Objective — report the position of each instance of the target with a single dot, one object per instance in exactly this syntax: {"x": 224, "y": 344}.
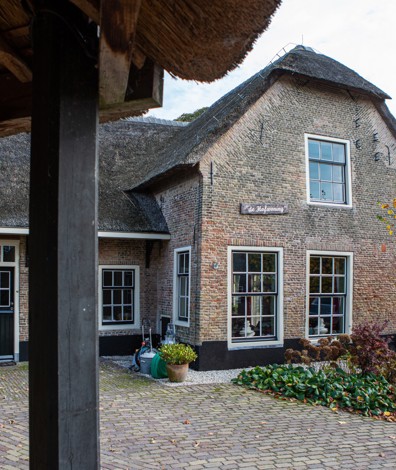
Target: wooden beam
{"x": 11, "y": 61}
{"x": 90, "y": 8}
{"x": 118, "y": 21}
{"x": 63, "y": 330}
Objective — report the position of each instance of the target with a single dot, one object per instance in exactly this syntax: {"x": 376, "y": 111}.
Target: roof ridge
{"x": 155, "y": 120}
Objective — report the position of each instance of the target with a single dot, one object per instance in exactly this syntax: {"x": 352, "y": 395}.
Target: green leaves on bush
{"x": 369, "y": 394}
{"x": 177, "y": 353}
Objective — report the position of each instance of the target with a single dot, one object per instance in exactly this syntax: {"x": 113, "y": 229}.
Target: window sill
{"x": 329, "y": 204}
{"x": 115, "y": 326}
{"x": 255, "y": 345}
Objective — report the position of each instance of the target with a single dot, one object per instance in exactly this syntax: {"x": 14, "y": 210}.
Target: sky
{"x": 360, "y": 34}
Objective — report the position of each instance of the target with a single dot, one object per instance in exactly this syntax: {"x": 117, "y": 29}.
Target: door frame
{"x": 15, "y": 265}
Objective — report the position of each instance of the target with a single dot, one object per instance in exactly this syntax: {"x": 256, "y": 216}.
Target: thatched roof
{"x": 127, "y": 151}
{"x": 196, "y": 39}
{"x": 187, "y": 148}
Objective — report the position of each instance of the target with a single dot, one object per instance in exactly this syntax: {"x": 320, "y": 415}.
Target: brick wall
{"x": 262, "y": 159}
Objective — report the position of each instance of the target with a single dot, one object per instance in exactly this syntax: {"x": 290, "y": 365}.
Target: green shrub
{"x": 177, "y": 353}
{"x": 367, "y": 394}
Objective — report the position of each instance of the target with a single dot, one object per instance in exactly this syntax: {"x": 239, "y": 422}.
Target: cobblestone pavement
{"x": 148, "y": 426}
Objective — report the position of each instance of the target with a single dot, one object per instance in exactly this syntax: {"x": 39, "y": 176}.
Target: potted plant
{"x": 177, "y": 357}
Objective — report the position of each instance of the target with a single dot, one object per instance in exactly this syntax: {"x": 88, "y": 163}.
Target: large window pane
{"x": 339, "y": 285}
{"x": 314, "y": 265}
{"x": 254, "y": 282}
{"x": 338, "y": 174}
{"x": 326, "y": 191}
{"x": 314, "y": 190}
{"x": 269, "y": 263}
{"x": 118, "y": 278}
{"x": 9, "y": 254}
{"x": 254, "y": 261}
{"x": 339, "y": 153}
{"x": 326, "y": 151}
{"x": 327, "y": 285}
{"x": 313, "y": 149}
{"x": 325, "y": 172}
{"x": 339, "y": 265}
{"x": 238, "y": 306}
{"x": 269, "y": 283}
{"x": 239, "y": 262}
{"x": 239, "y": 282}
{"x": 338, "y": 193}
{"x": 314, "y": 170}
{"x": 107, "y": 278}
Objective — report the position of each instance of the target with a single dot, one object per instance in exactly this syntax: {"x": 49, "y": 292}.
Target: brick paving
{"x": 145, "y": 425}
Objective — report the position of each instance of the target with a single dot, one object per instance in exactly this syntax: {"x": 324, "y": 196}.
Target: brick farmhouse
{"x": 249, "y": 228}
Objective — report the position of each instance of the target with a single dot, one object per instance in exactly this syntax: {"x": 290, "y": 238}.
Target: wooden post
{"x": 63, "y": 342}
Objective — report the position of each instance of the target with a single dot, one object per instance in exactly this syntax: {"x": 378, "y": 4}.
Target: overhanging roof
{"x": 196, "y": 39}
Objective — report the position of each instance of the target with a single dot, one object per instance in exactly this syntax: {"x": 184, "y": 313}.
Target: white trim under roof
{"x": 101, "y": 234}
{"x": 14, "y": 231}
{"x": 130, "y": 235}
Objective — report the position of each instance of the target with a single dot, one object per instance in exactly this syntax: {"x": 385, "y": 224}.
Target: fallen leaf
{"x": 196, "y": 444}
{"x": 186, "y": 421}
{"x": 392, "y": 437}
{"x": 342, "y": 422}
{"x": 152, "y": 441}
{"x": 11, "y": 421}
{"x": 210, "y": 433}
{"x": 173, "y": 441}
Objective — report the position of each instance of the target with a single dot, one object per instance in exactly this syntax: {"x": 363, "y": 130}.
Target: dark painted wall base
{"x": 108, "y": 346}
{"x": 23, "y": 351}
{"x": 122, "y": 345}
{"x": 214, "y": 355}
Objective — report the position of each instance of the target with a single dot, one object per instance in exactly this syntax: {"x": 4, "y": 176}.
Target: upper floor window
{"x": 328, "y": 175}
{"x": 181, "y": 291}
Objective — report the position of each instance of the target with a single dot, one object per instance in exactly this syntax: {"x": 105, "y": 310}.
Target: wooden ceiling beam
{"x": 14, "y": 63}
{"x": 118, "y": 22}
{"x": 90, "y": 7}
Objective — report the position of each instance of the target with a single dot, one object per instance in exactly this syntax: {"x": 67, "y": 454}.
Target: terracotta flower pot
{"x": 177, "y": 372}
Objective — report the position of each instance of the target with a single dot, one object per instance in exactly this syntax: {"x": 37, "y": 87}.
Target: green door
{"x": 6, "y": 313}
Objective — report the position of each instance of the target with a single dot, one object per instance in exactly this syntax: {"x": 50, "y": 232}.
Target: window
{"x": 328, "y": 180}
{"x": 329, "y": 294}
{"x": 181, "y": 295}
{"x": 119, "y": 296}
{"x": 255, "y": 300}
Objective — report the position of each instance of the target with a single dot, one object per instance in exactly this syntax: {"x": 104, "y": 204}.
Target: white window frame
{"x": 15, "y": 265}
{"x": 349, "y": 288}
{"x": 348, "y": 177}
{"x": 136, "y": 306}
{"x": 263, "y": 343}
{"x": 175, "y": 309}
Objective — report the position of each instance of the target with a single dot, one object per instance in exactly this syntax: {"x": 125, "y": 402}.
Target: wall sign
{"x": 264, "y": 209}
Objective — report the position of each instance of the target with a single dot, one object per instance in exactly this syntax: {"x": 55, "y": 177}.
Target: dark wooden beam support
{"x": 63, "y": 335}
{"x": 118, "y": 21}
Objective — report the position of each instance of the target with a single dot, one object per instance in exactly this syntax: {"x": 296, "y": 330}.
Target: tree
{"x": 390, "y": 217}
{"x": 189, "y": 117}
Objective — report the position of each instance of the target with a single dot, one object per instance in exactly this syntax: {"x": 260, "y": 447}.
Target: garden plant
{"x": 353, "y": 373}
